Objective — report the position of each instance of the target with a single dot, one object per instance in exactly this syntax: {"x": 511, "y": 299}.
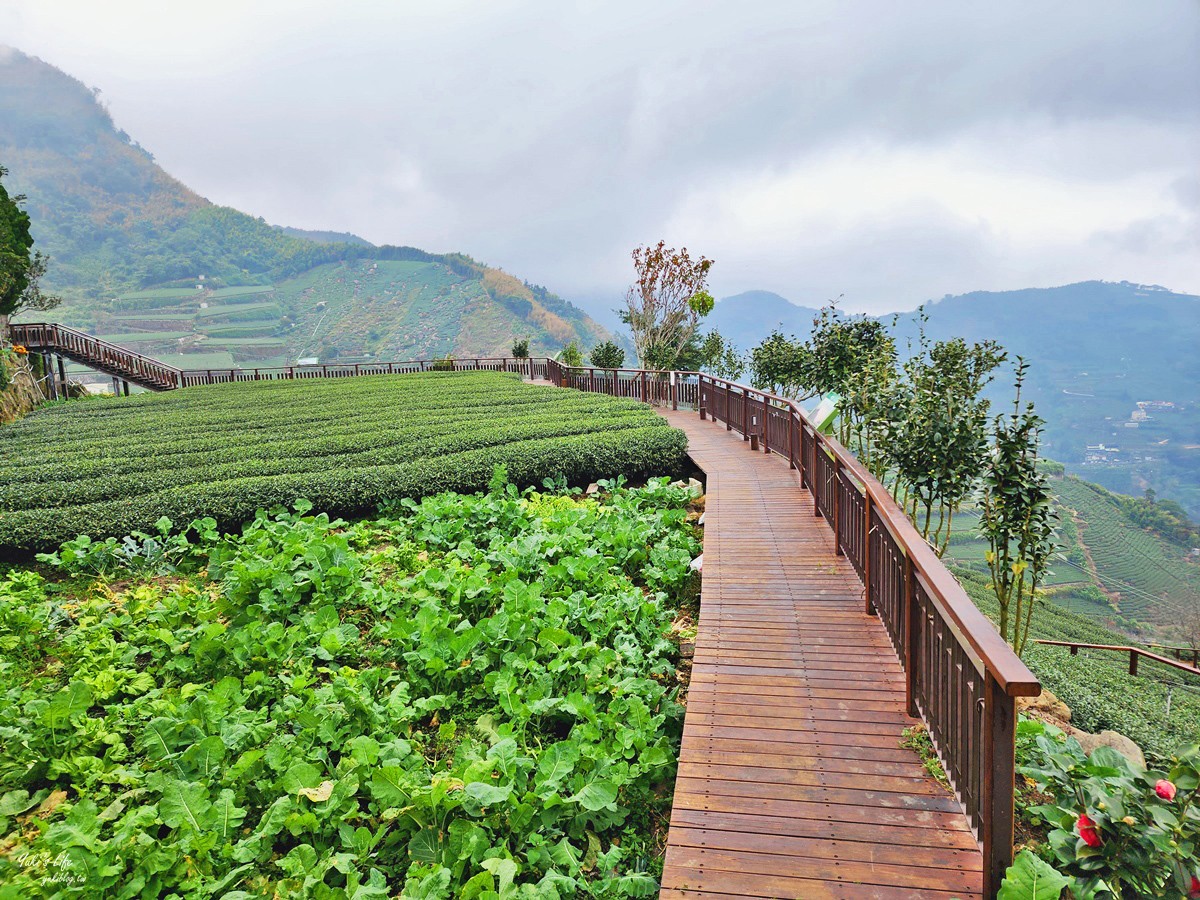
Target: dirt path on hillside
{"x": 1081, "y": 528}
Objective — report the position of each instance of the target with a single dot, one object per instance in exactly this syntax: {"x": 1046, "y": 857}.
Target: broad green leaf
{"x": 202, "y": 759}
{"x": 16, "y": 802}
{"x": 71, "y": 701}
{"x": 1031, "y": 878}
{"x": 488, "y": 794}
{"x": 425, "y": 846}
{"x": 596, "y": 796}
{"x": 300, "y": 775}
{"x": 637, "y": 885}
{"x": 389, "y": 785}
{"x": 364, "y": 750}
{"x": 228, "y": 814}
{"x": 555, "y": 764}
{"x": 185, "y": 804}
{"x": 300, "y": 861}
{"x": 434, "y": 886}
{"x": 505, "y": 871}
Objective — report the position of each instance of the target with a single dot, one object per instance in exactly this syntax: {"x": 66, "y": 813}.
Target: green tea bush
{"x": 346, "y": 445}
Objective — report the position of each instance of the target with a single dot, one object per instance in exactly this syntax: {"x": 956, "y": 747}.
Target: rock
{"x": 1045, "y": 707}
{"x": 677, "y": 484}
{"x": 696, "y": 486}
{"x": 1117, "y": 741}
{"x": 21, "y": 393}
{"x": 687, "y": 649}
{"x": 698, "y": 563}
{"x": 592, "y": 490}
{"x": 700, "y": 521}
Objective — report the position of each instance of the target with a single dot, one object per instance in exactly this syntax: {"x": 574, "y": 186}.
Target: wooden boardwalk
{"x": 792, "y": 782}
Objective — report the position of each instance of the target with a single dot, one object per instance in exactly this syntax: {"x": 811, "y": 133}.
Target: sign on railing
{"x": 962, "y": 679}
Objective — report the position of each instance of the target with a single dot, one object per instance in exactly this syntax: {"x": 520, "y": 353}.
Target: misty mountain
{"x": 1096, "y": 351}
{"x": 747, "y": 318}
{"x": 123, "y": 235}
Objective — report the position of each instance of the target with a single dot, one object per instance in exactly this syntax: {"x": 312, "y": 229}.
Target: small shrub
{"x": 571, "y": 355}
{"x": 607, "y": 355}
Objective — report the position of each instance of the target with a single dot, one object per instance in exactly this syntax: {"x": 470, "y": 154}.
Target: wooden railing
{"x": 962, "y": 679}
{"x": 1134, "y": 654}
{"x": 674, "y": 389}
{"x": 101, "y": 355}
{"x": 150, "y": 373}
{"x": 530, "y": 368}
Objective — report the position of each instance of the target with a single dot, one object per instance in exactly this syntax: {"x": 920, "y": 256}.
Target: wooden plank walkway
{"x": 792, "y": 782}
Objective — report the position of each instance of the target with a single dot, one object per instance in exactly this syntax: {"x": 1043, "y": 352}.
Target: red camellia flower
{"x": 1164, "y": 789}
{"x": 1087, "y": 830}
{"x": 1195, "y": 891}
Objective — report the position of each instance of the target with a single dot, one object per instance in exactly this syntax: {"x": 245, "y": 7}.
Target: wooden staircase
{"x": 126, "y": 365}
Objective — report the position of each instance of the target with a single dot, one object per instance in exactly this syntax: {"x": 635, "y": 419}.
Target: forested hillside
{"x": 116, "y": 225}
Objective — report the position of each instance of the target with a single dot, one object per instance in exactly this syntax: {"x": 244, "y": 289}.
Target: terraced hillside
{"x": 1147, "y": 577}
{"x": 117, "y": 226}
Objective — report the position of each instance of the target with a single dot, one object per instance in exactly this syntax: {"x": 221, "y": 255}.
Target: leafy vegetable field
{"x": 345, "y": 445}
{"x": 468, "y": 696}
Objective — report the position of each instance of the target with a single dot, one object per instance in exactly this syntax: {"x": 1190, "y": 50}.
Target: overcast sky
{"x": 890, "y": 152}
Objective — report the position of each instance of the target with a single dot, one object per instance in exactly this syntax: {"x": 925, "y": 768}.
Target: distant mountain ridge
{"x": 747, "y": 318}
{"x": 115, "y": 224}
{"x": 1097, "y": 350}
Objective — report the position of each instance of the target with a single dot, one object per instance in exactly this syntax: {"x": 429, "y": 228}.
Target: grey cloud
{"x": 550, "y": 140}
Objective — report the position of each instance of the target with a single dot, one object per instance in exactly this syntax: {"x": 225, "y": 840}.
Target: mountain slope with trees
{"x": 1096, "y": 351}
{"x": 114, "y": 223}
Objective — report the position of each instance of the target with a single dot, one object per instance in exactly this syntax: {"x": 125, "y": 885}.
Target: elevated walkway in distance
{"x": 119, "y": 362}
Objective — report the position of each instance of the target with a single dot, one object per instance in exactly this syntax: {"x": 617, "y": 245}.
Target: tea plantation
{"x": 466, "y": 696}
{"x": 227, "y": 451}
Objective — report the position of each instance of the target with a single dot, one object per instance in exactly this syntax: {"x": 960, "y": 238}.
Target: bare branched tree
{"x": 663, "y": 308}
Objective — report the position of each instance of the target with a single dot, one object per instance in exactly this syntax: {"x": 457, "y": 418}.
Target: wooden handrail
{"x": 93, "y": 351}
{"x": 152, "y": 373}
{"x": 199, "y": 377}
{"x": 993, "y": 652}
{"x": 1134, "y": 654}
{"x": 961, "y": 677}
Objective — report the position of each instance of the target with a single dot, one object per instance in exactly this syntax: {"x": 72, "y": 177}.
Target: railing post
{"x": 674, "y": 393}
{"x": 912, "y": 636}
{"x": 591, "y": 381}
{"x": 996, "y": 790}
{"x": 745, "y": 416}
{"x": 791, "y": 431}
{"x": 766, "y": 426}
{"x": 702, "y": 398}
{"x": 645, "y": 398}
{"x": 48, "y": 376}
{"x": 1133, "y": 660}
{"x": 868, "y": 600}
{"x": 815, "y": 483}
{"x": 837, "y": 507}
